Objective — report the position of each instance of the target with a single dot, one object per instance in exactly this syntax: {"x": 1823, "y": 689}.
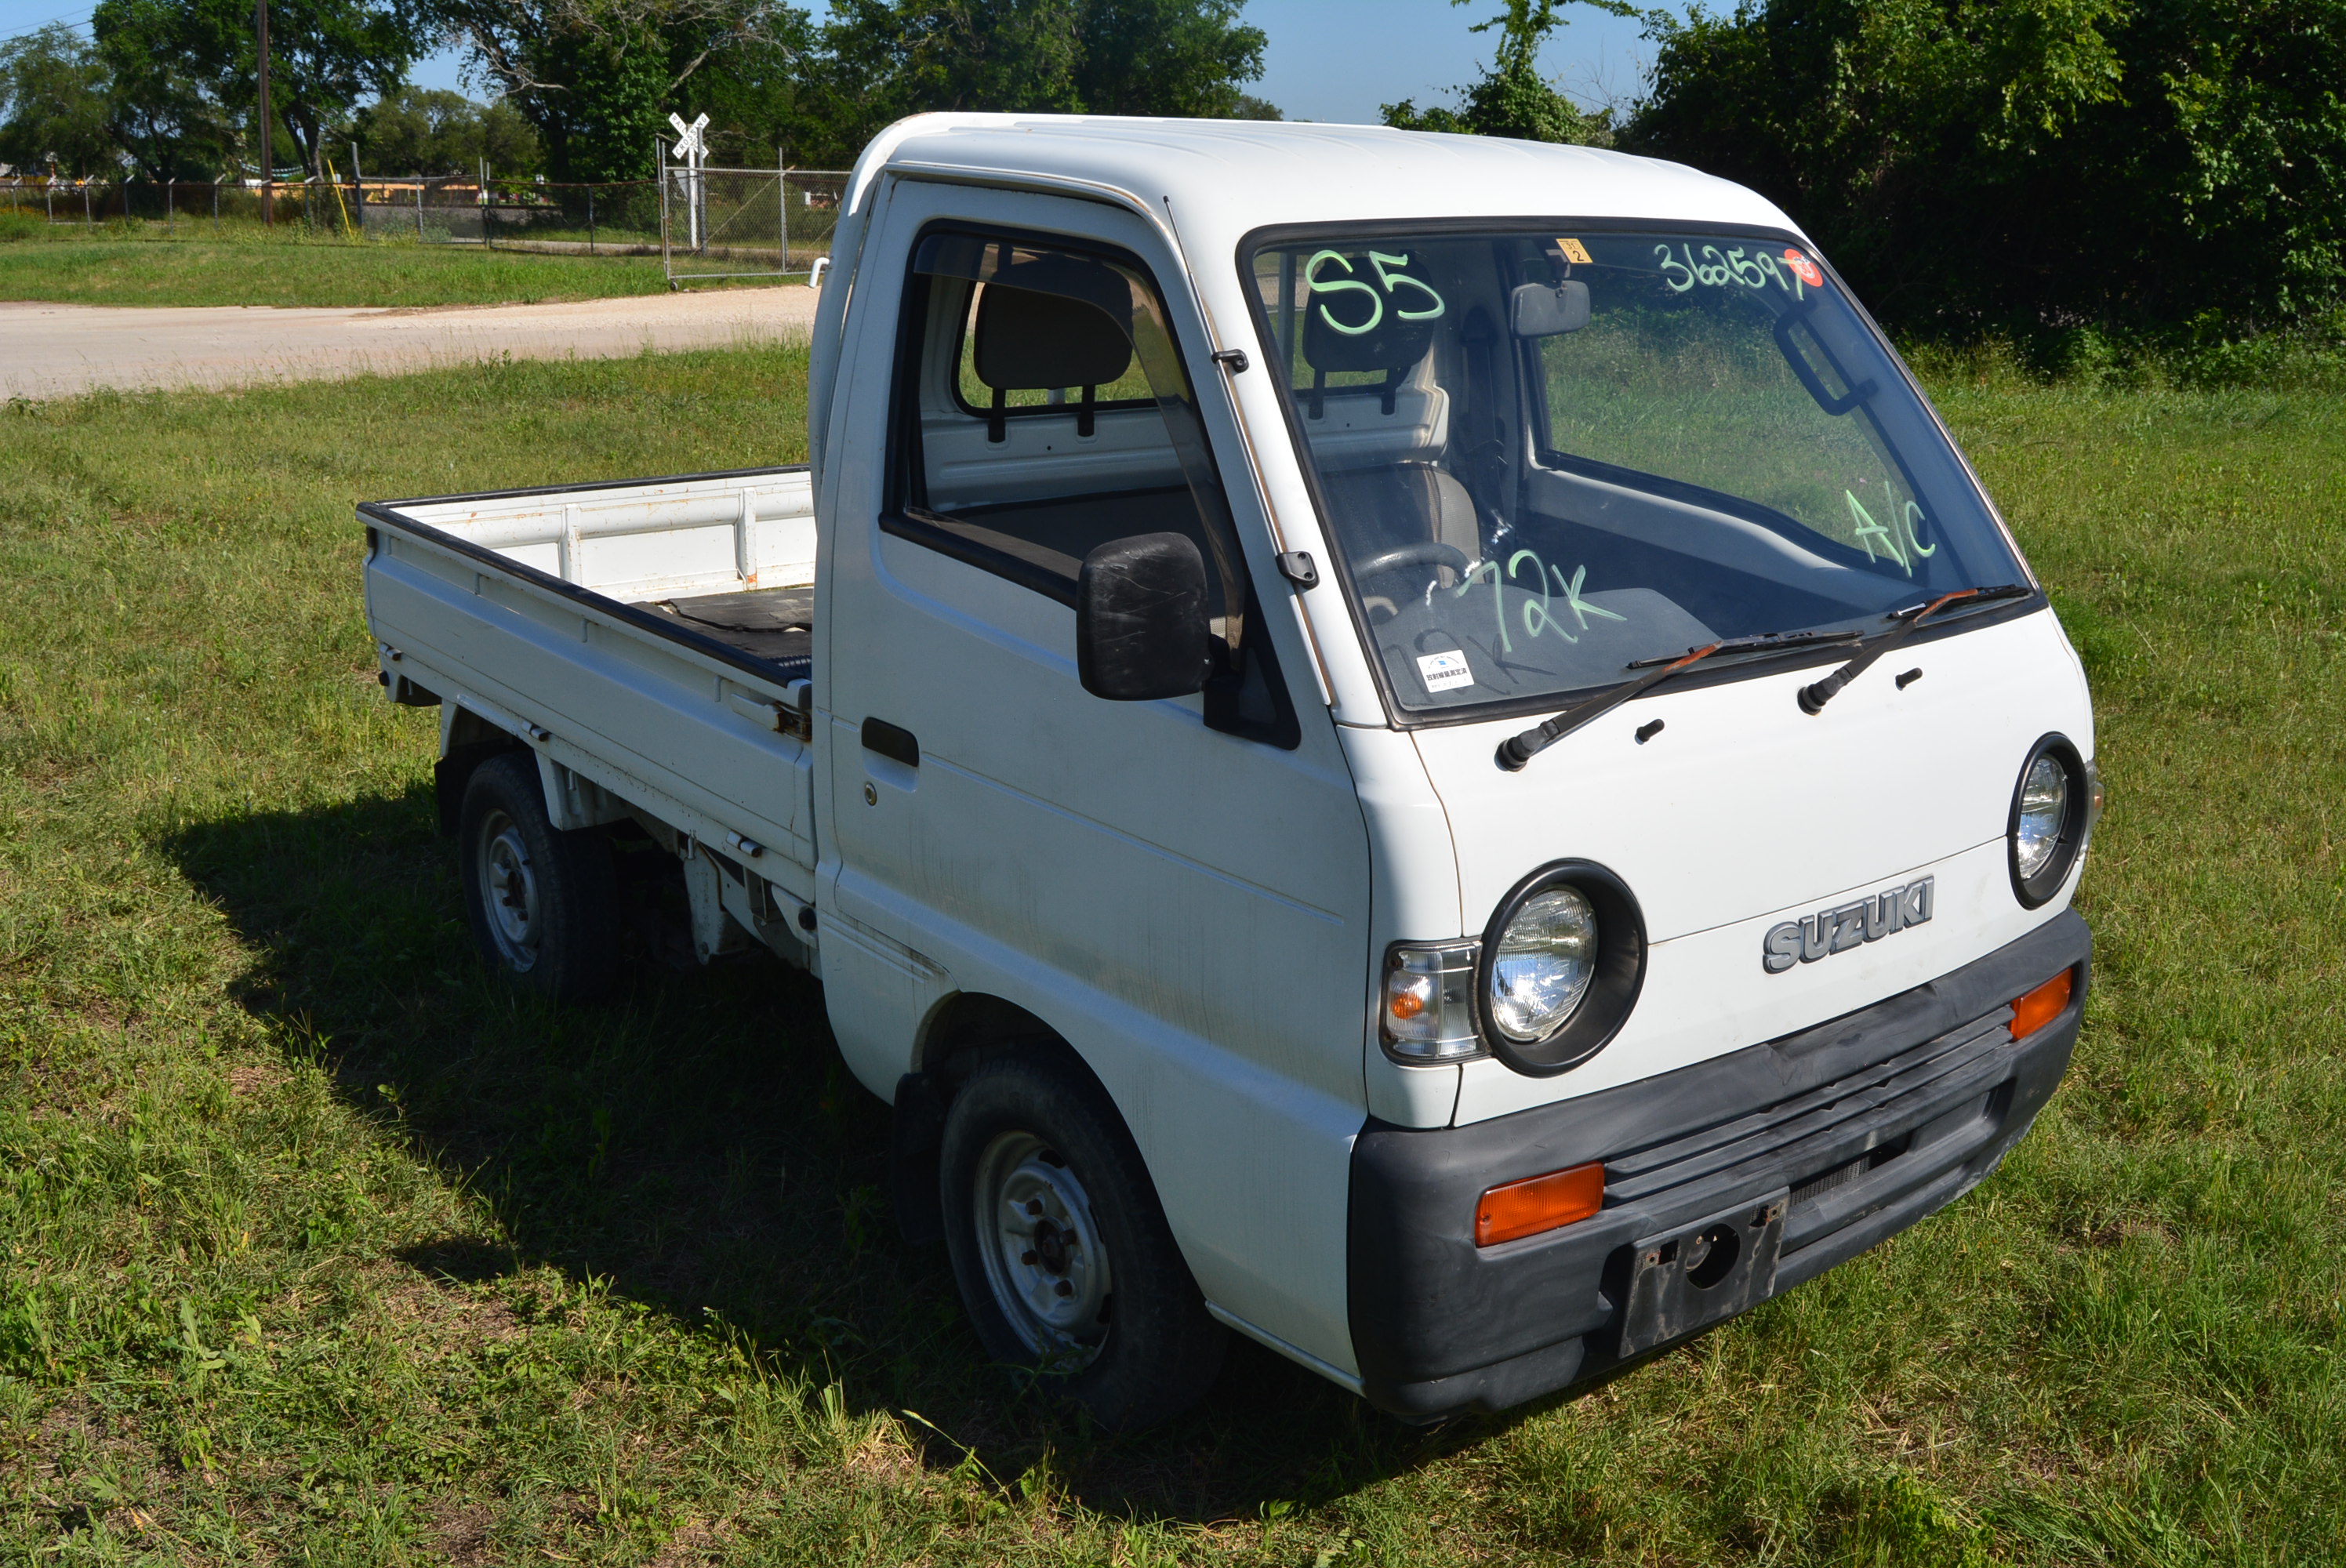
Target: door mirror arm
{"x": 1141, "y": 627}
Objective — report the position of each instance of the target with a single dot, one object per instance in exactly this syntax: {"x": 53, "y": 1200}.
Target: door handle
{"x": 891, "y": 741}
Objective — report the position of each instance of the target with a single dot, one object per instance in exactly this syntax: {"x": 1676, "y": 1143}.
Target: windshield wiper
{"x": 1766, "y": 642}
{"x": 1814, "y": 696}
{"x": 1518, "y": 750}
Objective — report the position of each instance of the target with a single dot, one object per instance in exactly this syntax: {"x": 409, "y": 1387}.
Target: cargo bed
{"x": 651, "y": 641}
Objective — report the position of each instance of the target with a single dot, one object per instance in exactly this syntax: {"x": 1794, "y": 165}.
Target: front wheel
{"x": 1060, "y": 1249}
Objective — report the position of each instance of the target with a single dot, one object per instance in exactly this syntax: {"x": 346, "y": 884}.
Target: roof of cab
{"x": 1223, "y": 178}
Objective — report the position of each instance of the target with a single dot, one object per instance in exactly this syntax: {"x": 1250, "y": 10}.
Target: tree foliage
{"x": 192, "y": 67}
{"x": 1513, "y": 99}
{"x": 420, "y": 130}
{"x": 598, "y": 77}
{"x": 164, "y": 111}
{"x": 54, "y": 105}
{"x": 584, "y": 87}
{"x": 2032, "y": 166}
{"x": 882, "y": 59}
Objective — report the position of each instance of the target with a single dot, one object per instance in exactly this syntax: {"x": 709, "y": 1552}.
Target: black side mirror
{"x": 1537, "y": 311}
{"x": 1141, "y": 630}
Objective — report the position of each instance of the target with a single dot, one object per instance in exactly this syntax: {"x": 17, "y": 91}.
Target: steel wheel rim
{"x": 509, "y": 891}
{"x": 1045, "y": 1259}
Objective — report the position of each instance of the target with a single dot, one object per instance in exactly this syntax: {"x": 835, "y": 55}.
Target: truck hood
{"x": 1743, "y": 806}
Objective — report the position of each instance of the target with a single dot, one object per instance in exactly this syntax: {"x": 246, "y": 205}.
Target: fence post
{"x": 659, "y": 173}
{"x": 590, "y": 220}
{"x": 783, "y": 202}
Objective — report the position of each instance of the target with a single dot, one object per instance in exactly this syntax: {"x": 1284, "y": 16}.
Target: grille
{"x": 1822, "y": 1139}
{"x": 1839, "y": 1176}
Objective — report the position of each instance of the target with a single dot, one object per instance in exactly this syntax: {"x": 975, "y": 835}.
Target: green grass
{"x": 140, "y": 265}
{"x": 315, "y": 1245}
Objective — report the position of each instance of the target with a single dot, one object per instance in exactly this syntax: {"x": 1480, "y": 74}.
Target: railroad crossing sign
{"x": 692, "y": 146}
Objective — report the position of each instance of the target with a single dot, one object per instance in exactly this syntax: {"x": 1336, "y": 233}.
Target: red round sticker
{"x": 1809, "y": 272}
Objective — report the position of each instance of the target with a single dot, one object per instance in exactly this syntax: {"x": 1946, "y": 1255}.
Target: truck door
{"x": 1180, "y": 887}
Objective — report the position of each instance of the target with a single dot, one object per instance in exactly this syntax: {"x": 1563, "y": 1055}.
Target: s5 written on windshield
{"x": 1545, "y": 457}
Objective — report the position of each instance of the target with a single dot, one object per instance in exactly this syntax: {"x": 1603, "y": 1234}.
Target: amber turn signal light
{"x": 1526, "y": 1208}
{"x": 2040, "y": 1006}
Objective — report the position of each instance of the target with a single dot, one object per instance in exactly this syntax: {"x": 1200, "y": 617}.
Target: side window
{"x": 1005, "y": 331}
{"x": 1042, "y": 411}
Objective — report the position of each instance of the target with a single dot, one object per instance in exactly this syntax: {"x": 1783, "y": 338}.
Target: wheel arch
{"x": 467, "y": 739}
{"x": 960, "y": 1032}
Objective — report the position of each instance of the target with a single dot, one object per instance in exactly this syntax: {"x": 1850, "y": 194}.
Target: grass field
{"x": 140, "y": 265}
{"x": 314, "y": 1246}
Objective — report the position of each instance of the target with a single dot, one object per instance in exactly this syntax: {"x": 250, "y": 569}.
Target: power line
{"x": 71, "y": 19}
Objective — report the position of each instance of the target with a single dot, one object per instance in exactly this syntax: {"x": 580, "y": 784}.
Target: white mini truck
{"x": 1415, "y": 746}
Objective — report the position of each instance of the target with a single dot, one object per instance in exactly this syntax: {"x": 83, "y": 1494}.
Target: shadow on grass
{"x": 700, "y": 1146}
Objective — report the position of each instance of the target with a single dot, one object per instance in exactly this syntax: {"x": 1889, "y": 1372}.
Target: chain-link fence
{"x": 747, "y": 222}
{"x": 195, "y": 205}
{"x": 619, "y": 219}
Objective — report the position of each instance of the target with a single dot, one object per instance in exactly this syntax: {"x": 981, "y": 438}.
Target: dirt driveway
{"x": 58, "y": 350}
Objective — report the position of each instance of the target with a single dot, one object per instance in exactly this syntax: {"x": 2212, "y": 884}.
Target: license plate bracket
{"x": 1691, "y": 1276}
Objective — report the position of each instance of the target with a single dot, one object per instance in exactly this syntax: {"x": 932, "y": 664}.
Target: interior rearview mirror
{"x": 1537, "y": 311}
{"x": 1141, "y": 629}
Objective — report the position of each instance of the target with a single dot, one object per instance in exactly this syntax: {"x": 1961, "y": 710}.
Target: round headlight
{"x": 2051, "y": 815}
{"x": 1559, "y": 967}
{"x": 2044, "y": 802}
{"x": 1547, "y": 955}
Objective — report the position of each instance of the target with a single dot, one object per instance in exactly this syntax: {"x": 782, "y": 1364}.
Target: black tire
{"x": 543, "y": 905}
{"x": 1125, "y": 1333}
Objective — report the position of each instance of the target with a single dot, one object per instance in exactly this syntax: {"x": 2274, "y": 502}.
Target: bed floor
{"x": 773, "y": 624}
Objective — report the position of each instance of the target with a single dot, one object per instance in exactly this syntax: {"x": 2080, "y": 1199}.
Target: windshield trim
{"x": 1398, "y": 716}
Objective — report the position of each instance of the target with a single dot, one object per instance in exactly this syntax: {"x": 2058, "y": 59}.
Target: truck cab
{"x": 1415, "y": 746}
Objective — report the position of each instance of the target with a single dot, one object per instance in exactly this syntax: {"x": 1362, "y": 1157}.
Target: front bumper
{"x": 1868, "y": 1123}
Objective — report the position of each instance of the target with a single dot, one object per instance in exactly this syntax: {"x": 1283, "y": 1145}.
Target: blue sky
{"x": 1328, "y": 59}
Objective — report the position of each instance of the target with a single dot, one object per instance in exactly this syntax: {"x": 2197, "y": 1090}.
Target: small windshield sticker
{"x": 1573, "y": 251}
{"x": 1810, "y": 273}
{"x": 1441, "y": 671}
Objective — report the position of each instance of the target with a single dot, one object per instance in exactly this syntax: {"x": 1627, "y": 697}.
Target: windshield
{"x": 1545, "y": 457}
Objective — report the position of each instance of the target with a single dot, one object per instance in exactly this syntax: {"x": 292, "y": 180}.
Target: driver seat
{"x": 1411, "y": 503}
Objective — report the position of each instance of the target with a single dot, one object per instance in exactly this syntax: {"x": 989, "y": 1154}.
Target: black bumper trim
{"x": 1924, "y": 1101}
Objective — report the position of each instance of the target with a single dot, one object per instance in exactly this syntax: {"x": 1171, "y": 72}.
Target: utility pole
{"x": 268, "y": 133}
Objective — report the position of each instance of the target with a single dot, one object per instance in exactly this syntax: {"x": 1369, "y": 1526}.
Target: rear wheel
{"x": 543, "y": 904}
{"x": 1061, "y": 1249}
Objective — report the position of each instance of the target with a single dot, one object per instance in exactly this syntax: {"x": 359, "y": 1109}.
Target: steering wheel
{"x": 1431, "y": 553}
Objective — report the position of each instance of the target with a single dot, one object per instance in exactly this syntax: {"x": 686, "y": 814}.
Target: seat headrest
{"x": 1390, "y": 344}
{"x": 1028, "y": 340}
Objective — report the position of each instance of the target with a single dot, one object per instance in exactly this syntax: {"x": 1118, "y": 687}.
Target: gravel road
{"x": 58, "y": 350}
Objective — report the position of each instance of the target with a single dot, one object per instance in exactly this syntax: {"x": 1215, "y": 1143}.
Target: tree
{"x": 420, "y": 130}
{"x": 1181, "y": 57}
{"x": 884, "y": 59}
{"x": 598, "y": 77}
{"x": 166, "y": 118}
{"x": 2032, "y": 166}
{"x": 1513, "y": 99}
{"x": 325, "y": 56}
{"x": 53, "y": 103}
